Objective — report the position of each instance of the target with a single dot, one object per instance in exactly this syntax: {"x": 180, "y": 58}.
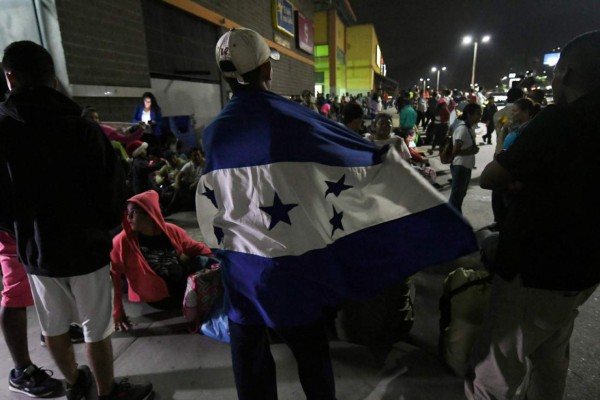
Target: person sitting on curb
{"x": 383, "y": 134}
{"x": 185, "y": 184}
{"x": 140, "y": 174}
{"x": 352, "y": 117}
{"x": 124, "y": 135}
{"x": 155, "y": 257}
{"x": 164, "y": 179}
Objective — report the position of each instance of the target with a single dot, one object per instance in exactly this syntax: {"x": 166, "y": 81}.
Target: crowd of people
{"x": 127, "y": 181}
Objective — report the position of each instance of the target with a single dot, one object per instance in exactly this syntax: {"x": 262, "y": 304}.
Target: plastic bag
{"x": 217, "y": 324}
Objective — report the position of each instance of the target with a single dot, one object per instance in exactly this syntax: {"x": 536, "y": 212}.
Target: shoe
{"x": 128, "y": 391}
{"x": 34, "y": 382}
{"x": 80, "y": 389}
{"x": 75, "y": 332}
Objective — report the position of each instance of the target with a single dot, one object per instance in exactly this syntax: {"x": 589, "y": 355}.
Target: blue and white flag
{"x": 305, "y": 213}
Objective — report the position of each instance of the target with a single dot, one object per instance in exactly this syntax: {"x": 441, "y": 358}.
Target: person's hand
{"x": 122, "y": 323}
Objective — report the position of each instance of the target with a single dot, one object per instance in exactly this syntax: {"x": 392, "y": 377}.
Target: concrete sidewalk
{"x": 184, "y": 365}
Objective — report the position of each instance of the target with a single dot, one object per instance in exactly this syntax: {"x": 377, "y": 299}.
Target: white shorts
{"x": 83, "y": 299}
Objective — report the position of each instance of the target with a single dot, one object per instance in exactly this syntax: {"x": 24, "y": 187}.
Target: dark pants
{"x": 439, "y": 133}
{"x": 488, "y": 135}
{"x": 254, "y": 367}
{"x": 420, "y": 119}
{"x": 461, "y": 176}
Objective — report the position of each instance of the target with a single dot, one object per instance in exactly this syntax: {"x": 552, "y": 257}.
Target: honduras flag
{"x": 304, "y": 213}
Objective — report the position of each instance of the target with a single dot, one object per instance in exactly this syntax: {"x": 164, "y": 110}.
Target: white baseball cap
{"x": 242, "y": 50}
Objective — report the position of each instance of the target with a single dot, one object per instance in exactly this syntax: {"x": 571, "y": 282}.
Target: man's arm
{"x": 495, "y": 177}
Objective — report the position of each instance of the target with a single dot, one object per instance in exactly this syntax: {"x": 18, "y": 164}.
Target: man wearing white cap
{"x": 245, "y": 61}
{"x": 290, "y": 202}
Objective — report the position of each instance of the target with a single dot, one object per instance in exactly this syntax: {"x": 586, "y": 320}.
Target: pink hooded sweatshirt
{"x": 127, "y": 259}
{"x": 113, "y": 134}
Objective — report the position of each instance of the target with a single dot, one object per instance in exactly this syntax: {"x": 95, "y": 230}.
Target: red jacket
{"x": 127, "y": 259}
{"x": 113, "y": 134}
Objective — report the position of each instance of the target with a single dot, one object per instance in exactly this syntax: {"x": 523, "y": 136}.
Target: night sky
{"x": 415, "y": 35}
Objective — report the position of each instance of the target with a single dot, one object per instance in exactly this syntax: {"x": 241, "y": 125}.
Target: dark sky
{"x": 415, "y": 35}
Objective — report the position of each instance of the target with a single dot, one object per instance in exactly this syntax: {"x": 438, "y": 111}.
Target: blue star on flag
{"x": 278, "y": 212}
{"x": 337, "y": 187}
{"x": 210, "y": 194}
{"x": 336, "y": 221}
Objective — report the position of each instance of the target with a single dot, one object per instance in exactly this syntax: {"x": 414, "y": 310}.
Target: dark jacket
{"x": 65, "y": 185}
{"x": 155, "y": 115}
{"x": 550, "y": 235}
{"x": 6, "y": 221}
{"x": 488, "y": 113}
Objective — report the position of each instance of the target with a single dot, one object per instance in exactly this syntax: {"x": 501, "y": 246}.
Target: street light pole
{"x": 468, "y": 40}
{"x": 437, "y": 85}
{"x": 474, "y": 62}
{"x": 424, "y": 83}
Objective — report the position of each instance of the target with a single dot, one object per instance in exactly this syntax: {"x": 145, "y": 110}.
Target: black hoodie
{"x": 65, "y": 189}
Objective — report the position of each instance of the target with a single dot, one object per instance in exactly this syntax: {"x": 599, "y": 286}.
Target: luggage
{"x": 463, "y": 305}
{"x": 216, "y": 325}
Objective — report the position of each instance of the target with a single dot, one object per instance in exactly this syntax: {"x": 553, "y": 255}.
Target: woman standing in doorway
{"x": 150, "y": 114}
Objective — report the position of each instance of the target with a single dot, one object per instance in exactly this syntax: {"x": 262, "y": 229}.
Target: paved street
{"x": 185, "y": 365}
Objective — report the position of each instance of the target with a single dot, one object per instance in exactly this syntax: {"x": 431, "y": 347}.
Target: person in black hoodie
{"x": 67, "y": 193}
{"x": 26, "y": 377}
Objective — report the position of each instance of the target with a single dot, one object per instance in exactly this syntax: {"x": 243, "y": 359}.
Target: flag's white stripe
{"x": 379, "y": 194}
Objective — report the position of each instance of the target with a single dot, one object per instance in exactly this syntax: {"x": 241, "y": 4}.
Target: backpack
{"x": 463, "y": 304}
{"x": 446, "y": 156}
{"x": 204, "y": 290}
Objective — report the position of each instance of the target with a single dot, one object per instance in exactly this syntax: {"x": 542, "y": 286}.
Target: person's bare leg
{"x": 14, "y": 327}
{"x": 100, "y": 355}
{"x": 62, "y": 352}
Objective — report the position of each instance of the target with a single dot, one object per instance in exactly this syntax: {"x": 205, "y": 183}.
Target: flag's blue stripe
{"x": 291, "y": 291}
{"x": 279, "y": 130}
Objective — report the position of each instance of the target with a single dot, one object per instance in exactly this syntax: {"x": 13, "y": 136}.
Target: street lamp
{"x": 468, "y": 40}
{"x": 424, "y": 83}
{"x": 437, "y": 85}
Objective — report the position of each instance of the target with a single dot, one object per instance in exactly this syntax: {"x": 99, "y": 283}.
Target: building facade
{"x": 108, "y": 53}
{"x": 348, "y": 58}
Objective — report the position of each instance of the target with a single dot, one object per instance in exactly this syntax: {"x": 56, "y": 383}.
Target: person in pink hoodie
{"x": 118, "y": 138}
{"x": 155, "y": 256}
